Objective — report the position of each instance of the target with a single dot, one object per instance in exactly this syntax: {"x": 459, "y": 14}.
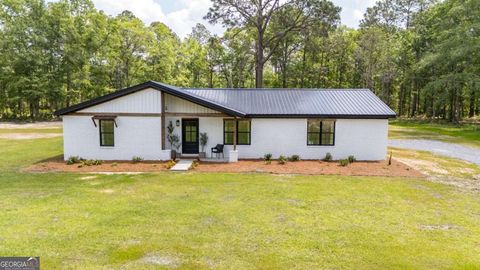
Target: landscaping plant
{"x": 344, "y": 162}
{"x": 136, "y": 159}
{"x": 267, "y": 158}
{"x": 294, "y": 158}
{"x": 73, "y": 159}
{"x": 351, "y": 159}
{"x": 328, "y": 157}
{"x": 282, "y": 160}
{"x": 170, "y": 164}
{"x": 173, "y": 139}
{"x": 203, "y": 140}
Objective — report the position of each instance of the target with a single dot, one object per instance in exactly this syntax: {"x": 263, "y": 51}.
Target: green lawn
{"x": 465, "y": 133}
{"x": 230, "y": 221}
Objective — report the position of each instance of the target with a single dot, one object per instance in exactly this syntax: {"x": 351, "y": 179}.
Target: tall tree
{"x": 257, "y": 14}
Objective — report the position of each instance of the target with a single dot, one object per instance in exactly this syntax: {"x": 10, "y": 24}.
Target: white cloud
{"x": 182, "y": 21}
{"x": 147, "y": 10}
{"x": 357, "y": 14}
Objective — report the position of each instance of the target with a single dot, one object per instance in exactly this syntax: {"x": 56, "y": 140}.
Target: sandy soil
{"x": 39, "y": 125}
{"x": 28, "y": 136}
{"x": 397, "y": 169}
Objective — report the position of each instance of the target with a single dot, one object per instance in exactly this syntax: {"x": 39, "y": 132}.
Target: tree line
{"x": 419, "y": 56}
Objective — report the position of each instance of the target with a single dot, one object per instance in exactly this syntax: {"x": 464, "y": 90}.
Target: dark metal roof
{"x": 335, "y": 103}
{"x": 347, "y": 103}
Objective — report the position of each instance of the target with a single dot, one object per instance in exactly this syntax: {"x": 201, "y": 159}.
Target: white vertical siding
{"x": 177, "y": 105}
{"x": 134, "y": 136}
{"x": 144, "y": 101}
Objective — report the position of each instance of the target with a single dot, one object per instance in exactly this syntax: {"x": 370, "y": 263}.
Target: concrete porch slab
{"x": 182, "y": 165}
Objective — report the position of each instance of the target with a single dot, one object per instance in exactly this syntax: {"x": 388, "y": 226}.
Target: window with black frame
{"x": 243, "y": 131}
{"x": 320, "y": 132}
{"x": 107, "y": 136}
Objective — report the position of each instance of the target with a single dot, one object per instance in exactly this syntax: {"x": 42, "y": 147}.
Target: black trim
{"x": 321, "y": 132}
{"x": 150, "y": 84}
{"x": 103, "y": 132}
{"x": 325, "y": 116}
{"x": 236, "y": 123}
{"x": 190, "y": 148}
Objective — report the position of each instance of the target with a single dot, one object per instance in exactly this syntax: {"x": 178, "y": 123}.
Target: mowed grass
{"x": 465, "y": 134}
{"x": 230, "y": 221}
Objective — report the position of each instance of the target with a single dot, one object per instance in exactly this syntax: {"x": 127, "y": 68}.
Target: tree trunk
{"x": 471, "y": 112}
{"x": 259, "y": 65}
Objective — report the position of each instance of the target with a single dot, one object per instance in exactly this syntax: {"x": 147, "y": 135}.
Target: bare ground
{"x": 39, "y": 125}
{"x": 28, "y": 136}
{"x": 359, "y": 168}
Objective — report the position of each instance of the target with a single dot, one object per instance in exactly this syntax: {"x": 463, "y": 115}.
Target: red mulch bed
{"x": 308, "y": 167}
{"x": 106, "y": 166}
{"x": 360, "y": 168}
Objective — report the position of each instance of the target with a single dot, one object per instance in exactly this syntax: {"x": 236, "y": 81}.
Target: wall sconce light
{"x": 177, "y": 123}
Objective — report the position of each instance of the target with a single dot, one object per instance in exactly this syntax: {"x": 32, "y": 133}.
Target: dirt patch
{"x": 360, "y": 168}
{"x": 28, "y": 136}
{"x": 40, "y": 125}
{"x": 110, "y": 167}
{"x": 160, "y": 260}
{"x": 422, "y": 165}
{"x": 440, "y": 227}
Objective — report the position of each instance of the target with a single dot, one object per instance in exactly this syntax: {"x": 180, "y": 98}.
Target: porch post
{"x": 235, "y": 134}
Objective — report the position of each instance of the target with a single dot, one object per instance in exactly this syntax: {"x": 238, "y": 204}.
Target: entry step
{"x": 182, "y": 165}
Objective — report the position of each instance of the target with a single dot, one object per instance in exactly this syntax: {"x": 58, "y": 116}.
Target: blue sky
{"x": 182, "y": 15}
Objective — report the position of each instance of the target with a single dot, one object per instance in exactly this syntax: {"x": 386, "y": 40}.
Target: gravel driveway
{"x": 453, "y": 150}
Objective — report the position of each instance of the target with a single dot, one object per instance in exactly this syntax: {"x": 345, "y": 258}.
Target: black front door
{"x": 190, "y": 136}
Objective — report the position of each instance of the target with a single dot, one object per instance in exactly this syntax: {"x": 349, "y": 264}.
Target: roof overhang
{"x": 172, "y": 90}
{"x": 332, "y": 116}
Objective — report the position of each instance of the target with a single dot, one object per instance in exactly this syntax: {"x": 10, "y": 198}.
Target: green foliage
{"x": 328, "y": 157}
{"x": 282, "y": 160}
{"x": 136, "y": 159}
{"x": 203, "y": 140}
{"x": 73, "y": 159}
{"x": 418, "y": 57}
{"x": 170, "y": 164}
{"x": 267, "y": 158}
{"x": 351, "y": 159}
{"x": 294, "y": 158}
{"x": 344, "y": 162}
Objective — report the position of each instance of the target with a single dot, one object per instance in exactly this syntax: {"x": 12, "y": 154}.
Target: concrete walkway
{"x": 454, "y": 150}
{"x": 182, "y": 165}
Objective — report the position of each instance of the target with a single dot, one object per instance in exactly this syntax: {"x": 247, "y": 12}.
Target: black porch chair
{"x": 218, "y": 149}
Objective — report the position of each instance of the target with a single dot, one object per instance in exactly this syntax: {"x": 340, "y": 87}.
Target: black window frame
{"x": 320, "y": 133}
{"x": 249, "y": 132}
{"x": 103, "y": 132}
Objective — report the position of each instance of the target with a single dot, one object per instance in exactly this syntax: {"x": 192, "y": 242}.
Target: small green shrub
{"x": 344, "y": 162}
{"x": 170, "y": 164}
{"x": 73, "y": 159}
{"x": 282, "y": 160}
{"x": 114, "y": 164}
{"x": 267, "y": 157}
{"x": 87, "y": 162}
{"x": 97, "y": 162}
{"x": 328, "y": 157}
{"x": 351, "y": 159}
{"x": 136, "y": 159}
{"x": 294, "y": 158}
